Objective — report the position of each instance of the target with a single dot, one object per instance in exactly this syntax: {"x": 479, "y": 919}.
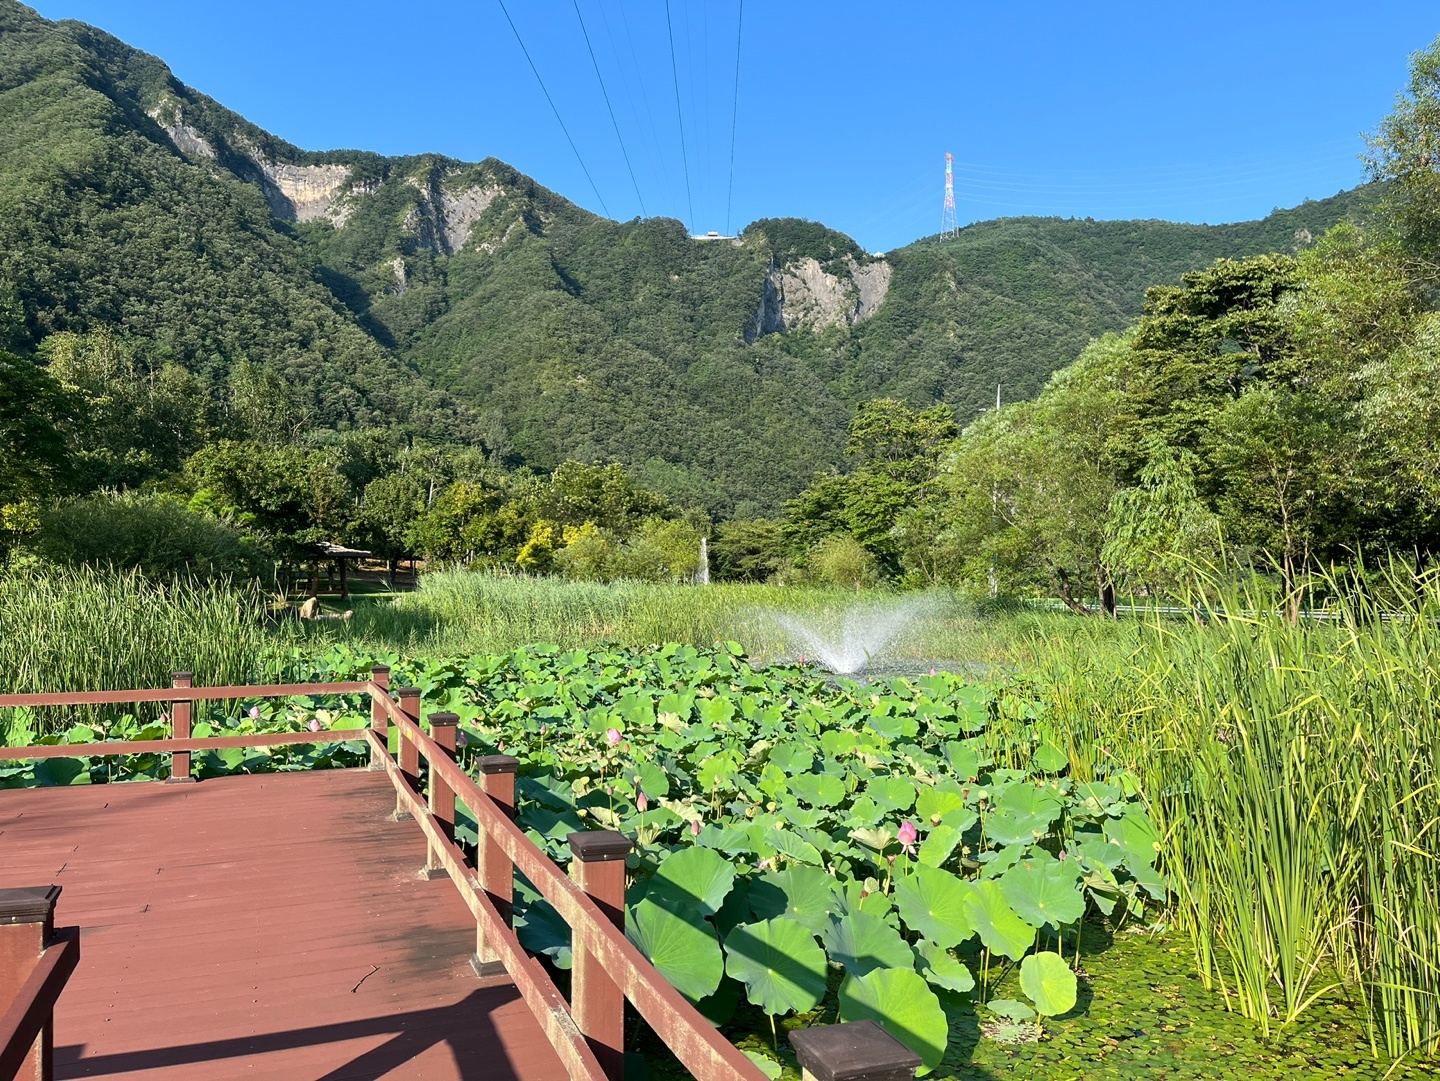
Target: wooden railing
{"x": 587, "y": 1030}
{"x": 36, "y": 960}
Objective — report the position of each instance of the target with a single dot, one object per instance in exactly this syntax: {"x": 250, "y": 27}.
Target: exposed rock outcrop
{"x": 187, "y": 140}
{"x": 872, "y": 284}
{"x": 804, "y": 295}
{"x": 300, "y": 192}
{"x": 461, "y": 209}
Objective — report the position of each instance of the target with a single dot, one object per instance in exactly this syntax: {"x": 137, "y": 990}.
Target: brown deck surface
{"x": 261, "y": 927}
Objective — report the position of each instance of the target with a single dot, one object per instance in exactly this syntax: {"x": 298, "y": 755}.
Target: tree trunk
{"x": 1067, "y": 594}
{"x": 391, "y": 566}
{"x": 314, "y": 579}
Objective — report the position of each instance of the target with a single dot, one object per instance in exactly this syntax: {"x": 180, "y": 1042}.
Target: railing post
{"x": 409, "y": 752}
{"x": 379, "y": 719}
{"x": 855, "y": 1051}
{"x": 442, "y": 796}
{"x": 497, "y": 874}
{"x": 180, "y": 713}
{"x": 27, "y": 923}
{"x": 597, "y": 1004}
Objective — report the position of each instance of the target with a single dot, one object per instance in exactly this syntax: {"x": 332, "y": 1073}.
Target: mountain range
{"x": 464, "y": 302}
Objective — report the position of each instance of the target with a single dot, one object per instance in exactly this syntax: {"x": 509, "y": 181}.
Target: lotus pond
{"x": 911, "y": 850}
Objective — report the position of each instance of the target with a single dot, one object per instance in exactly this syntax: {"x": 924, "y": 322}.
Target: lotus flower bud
{"x": 642, "y": 802}
{"x": 695, "y": 827}
{"x": 314, "y": 725}
{"x": 254, "y": 713}
{"x": 612, "y": 736}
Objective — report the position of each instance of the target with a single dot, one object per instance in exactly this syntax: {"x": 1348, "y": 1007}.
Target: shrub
{"x": 841, "y": 560}
{"x": 156, "y": 534}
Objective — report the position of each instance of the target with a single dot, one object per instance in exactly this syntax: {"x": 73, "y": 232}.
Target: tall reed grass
{"x": 83, "y": 629}
{"x": 1293, "y": 770}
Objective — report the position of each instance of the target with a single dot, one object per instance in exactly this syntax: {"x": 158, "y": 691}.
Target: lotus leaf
{"x": 716, "y": 712}
{"x": 1010, "y": 1009}
{"x": 764, "y": 1063}
{"x": 941, "y": 969}
{"x": 793, "y": 758}
{"x": 1049, "y": 982}
{"x": 804, "y": 894}
{"x": 873, "y": 900}
{"x": 862, "y": 942}
{"x": 995, "y": 921}
{"x": 1022, "y": 812}
{"x": 900, "y": 1002}
{"x": 779, "y": 963}
{"x": 964, "y": 760}
{"x": 934, "y": 802}
{"x": 682, "y": 947}
{"x": 1049, "y": 758}
{"x": 792, "y": 846}
{"x": 892, "y": 793}
{"x": 934, "y": 903}
{"x": 693, "y": 878}
{"x": 1135, "y": 836}
{"x": 543, "y": 930}
{"x": 1044, "y": 892}
{"x": 818, "y": 790}
{"x": 938, "y": 845}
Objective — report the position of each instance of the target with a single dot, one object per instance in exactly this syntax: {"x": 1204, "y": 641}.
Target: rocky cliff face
{"x": 301, "y": 192}
{"x": 804, "y": 295}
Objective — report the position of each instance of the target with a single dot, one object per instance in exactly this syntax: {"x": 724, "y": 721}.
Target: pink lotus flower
{"x": 908, "y": 836}
{"x": 695, "y": 828}
{"x": 612, "y": 736}
{"x": 314, "y": 725}
{"x": 461, "y": 739}
{"x": 502, "y": 746}
{"x": 642, "y": 802}
{"x": 164, "y": 716}
{"x": 254, "y": 713}
{"x": 932, "y": 671}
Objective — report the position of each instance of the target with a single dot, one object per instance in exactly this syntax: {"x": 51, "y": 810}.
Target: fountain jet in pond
{"x": 852, "y": 640}
{"x": 702, "y": 570}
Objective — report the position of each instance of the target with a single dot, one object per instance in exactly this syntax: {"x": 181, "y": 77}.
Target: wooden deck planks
{"x": 261, "y": 927}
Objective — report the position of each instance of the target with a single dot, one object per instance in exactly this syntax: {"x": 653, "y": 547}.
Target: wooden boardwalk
{"x": 271, "y": 926}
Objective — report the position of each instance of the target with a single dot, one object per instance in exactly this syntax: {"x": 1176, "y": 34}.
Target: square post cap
{"x": 28, "y": 904}
{"x": 377, "y": 669}
{"x": 444, "y": 719}
{"x": 408, "y": 692}
{"x": 599, "y": 846}
{"x": 854, "y": 1051}
{"x": 184, "y": 677}
{"x": 497, "y": 763}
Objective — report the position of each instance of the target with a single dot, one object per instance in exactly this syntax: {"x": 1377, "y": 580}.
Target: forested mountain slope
{"x": 465, "y": 302}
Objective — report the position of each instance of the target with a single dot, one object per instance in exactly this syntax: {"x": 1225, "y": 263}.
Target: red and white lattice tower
{"x": 947, "y": 215}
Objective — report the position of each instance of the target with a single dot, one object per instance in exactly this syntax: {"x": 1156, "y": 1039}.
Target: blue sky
{"x": 1208, "y": 112}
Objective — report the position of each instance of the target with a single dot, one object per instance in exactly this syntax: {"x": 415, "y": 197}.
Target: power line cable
{"x": 606, "y": 95}
{"x": 553, "y": 109}
{"x": 679, "y": 115}
{"x": 734, "y": 117}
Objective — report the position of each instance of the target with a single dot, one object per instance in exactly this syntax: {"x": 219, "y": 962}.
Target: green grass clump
{"x": 90, "y": 630}
{"x": 1293, "y": 772}
{"x": 459, "y": 612}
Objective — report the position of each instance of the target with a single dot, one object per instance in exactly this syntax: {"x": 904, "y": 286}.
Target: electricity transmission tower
{"x": 947, "y": 214}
